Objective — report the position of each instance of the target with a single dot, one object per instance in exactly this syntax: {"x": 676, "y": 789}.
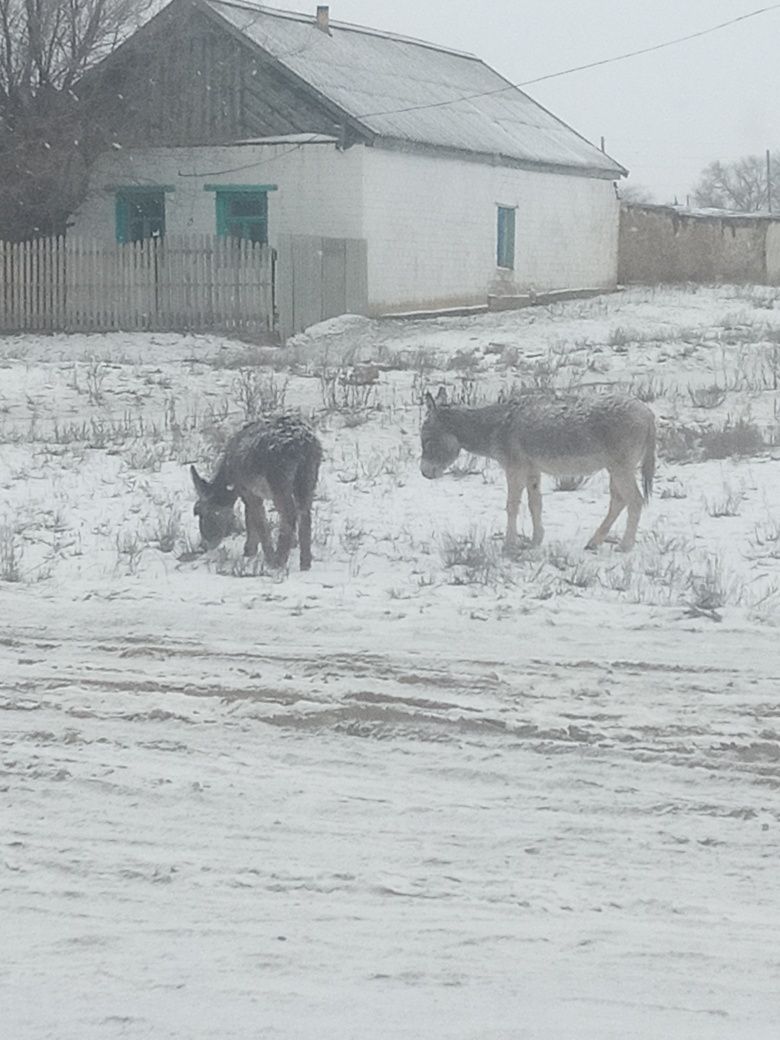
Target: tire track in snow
{"x": 697, "y": 717}
{"x": 424, "y": 828}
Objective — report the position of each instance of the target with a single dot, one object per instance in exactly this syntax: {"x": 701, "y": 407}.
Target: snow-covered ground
{"x": 422, "y": 790}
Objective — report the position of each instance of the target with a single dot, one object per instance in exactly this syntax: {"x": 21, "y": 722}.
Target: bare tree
{"x": 635, "y": 194}
{"x": 45, "y": 47}
{"x": 51, "y": 43}
{"x": 739, "y": 185}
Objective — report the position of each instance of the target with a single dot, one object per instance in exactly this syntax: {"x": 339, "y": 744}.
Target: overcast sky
{"x": 664, "y": 115}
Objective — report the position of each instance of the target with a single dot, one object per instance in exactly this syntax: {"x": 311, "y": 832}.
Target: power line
{"x": 250, "y": 165}
{"x": 580, "y": 68}
{"x": 654, "y": 47}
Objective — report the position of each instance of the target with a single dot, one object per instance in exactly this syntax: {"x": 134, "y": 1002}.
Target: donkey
{"x": 277, "y": 458}
{"x": 545, "y": 433}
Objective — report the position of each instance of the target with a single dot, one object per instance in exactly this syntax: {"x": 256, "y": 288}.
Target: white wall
{"x": 430, "y": 223}
{"x": 319, "y": 187}
{"x": 431, "y": 227}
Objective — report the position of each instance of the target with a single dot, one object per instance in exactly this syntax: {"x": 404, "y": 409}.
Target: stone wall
{"x": 664, "y": 244}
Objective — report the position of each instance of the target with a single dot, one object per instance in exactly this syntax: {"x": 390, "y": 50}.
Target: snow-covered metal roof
{"x": 406, "y": 90}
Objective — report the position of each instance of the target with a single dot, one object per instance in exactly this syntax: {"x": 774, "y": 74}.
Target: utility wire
{"x": 250, "y": 165}
{"x": 580, "y": 68}
{"x": 656, "y": 46}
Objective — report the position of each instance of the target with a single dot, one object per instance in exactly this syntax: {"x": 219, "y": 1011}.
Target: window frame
{"x": 506, "y": 224}
{"x": 226, "y": 223}
{"x": 127, "y": 194}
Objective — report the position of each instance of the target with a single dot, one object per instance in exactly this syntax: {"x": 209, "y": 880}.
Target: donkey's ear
{"x": 441, "y": 396}
{"x": 430, "y": 404}
{"x": 201, "y": 485}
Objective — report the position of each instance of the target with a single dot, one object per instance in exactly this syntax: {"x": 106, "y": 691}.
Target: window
{"x": 505, "y": 250}
{"x": 140, "y": 214}
{"x": 243, "y": 214}
{"x": 242, "y": 210}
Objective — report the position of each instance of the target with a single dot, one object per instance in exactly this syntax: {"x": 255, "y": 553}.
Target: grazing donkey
{"x": 277, "y": 458}
{"x": 546, "y": 433}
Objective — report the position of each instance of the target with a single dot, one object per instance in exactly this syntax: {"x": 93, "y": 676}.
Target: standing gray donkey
{"x": 277, "y": 458}
{"x": 546, "y": 433}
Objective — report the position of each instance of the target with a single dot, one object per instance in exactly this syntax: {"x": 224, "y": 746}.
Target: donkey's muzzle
{"x": 430, "y": 470}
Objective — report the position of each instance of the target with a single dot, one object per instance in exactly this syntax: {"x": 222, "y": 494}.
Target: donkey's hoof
{"x": 276, "y": 562}
{"x": 516, "y": 547}
{"x": 188, "y": 557}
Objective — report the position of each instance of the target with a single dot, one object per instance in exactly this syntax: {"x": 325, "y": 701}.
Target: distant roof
{"x": 702, "y": 212}
{"x": 410, "y": 91}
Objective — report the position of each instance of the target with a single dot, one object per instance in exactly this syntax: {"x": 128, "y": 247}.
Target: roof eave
{"x": 496, "y": 159}
{"x": 623, "y": 171}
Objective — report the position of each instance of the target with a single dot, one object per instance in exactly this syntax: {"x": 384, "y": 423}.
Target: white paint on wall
{"x": 431, "y": 224}
{"x": 318, "y": 187}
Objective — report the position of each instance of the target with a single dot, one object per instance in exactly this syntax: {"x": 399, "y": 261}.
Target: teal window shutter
{"x": 505, "y": 249}
{"x": 120, "y": 204}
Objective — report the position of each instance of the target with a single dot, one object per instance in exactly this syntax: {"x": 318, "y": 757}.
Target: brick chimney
{"x": 323, "y": 18}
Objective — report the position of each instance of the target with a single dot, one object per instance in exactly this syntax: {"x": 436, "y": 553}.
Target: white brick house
{"x": 262, "y": 123}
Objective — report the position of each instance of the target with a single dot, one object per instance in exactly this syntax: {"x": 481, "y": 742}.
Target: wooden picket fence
{"x": 180, "y": 282}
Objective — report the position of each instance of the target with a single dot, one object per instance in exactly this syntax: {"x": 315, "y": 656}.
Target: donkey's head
{"x": 440, "y": 446}
{"x": 214, "y": 510}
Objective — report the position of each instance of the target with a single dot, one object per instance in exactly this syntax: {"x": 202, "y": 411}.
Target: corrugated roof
{"x": 390, "y": 84}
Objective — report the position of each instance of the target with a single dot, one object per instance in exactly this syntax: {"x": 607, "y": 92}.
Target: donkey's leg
{"x": 616, "y": 507}
{"x": 288, "y": 516}
{"x": 256, "y": 527}
{"x": 252, "y": 526}
{"x": 304, "y": 537}
{"x": 626, "y": 487}
{"x": 515, "y": 482}
{"x": 265, "y": 531}
{"x": 535, "y": 506}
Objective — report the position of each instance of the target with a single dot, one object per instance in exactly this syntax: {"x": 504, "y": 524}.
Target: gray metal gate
{"x": 319, "y": 278}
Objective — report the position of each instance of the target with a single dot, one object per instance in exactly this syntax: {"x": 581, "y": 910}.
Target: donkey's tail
{"x": 648, "y": 463}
